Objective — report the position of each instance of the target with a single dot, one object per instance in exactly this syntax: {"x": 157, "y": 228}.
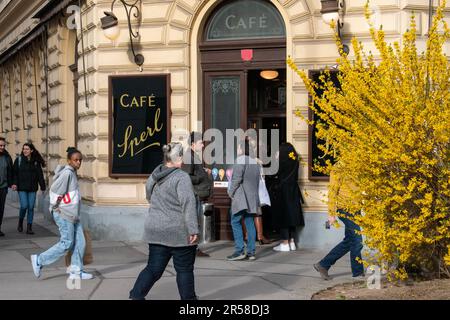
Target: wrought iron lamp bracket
{"x": 129, "y": 8}
{"x": 340, "y": 22}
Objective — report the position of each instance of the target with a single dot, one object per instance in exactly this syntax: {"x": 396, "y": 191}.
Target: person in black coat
{"x": 200, "y": 176}
{"x": 27, "y": 176}
{"x": 286, "y": 197}
{"x": 6, "y": 177}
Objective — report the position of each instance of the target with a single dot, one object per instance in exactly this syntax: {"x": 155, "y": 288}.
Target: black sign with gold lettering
{"x": 139, "y": 123}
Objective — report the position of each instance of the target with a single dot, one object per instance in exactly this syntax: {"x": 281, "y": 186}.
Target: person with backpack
{"x": 27, "y": 176}
{"x": 6, "y": 178}
{"x": 65, "y": 201}
{"x": 200, "y": 177}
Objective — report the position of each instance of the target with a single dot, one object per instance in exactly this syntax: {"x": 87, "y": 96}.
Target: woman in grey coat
{"x": 243, "y": 192}
{"x": 171, "y": 228}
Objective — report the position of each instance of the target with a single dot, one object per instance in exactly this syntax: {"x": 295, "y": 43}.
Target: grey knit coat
{"x": 243, "y": 189}
{"x": 172, "y": 215}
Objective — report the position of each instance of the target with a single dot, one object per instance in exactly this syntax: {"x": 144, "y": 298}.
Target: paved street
{"x": 116, "y": 265}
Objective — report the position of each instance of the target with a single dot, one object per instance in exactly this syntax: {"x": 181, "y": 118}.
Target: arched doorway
{"x": 242, "y": 38}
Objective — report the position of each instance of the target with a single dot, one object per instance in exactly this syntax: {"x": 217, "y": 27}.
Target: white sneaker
{"x": 82, "y": 276}
{"x": 36, "y": 267}
{"x": 282, "y": 247}
{"x": 292, "y": 246}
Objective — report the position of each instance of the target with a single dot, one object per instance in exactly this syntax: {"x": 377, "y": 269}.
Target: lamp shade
{"x": 112, "y": 33}
{"x": 110, "y": 25}
{"x": 330, "y": 16}
{"x": 330, "y": 10}
{"x": 269, "y": 74}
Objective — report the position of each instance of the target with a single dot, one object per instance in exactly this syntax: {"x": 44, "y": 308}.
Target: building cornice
{"x": 16, "y": 21}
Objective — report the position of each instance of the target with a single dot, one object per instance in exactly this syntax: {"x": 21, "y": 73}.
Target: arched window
{"x": 245, "y": 19}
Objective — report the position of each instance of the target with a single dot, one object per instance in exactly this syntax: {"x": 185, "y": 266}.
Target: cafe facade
{"x": 118, "y": 85}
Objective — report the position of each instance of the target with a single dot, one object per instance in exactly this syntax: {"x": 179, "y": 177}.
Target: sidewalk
{"x": 273, "y": 276}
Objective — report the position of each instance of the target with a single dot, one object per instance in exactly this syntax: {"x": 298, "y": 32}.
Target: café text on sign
{"x": 139, "y": 123}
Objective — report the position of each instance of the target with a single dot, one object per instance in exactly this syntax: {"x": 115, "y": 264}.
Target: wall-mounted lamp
{"x": 111, "y": 29}
{"x": 333, "y": 10}
{"x": 268, "y": 74}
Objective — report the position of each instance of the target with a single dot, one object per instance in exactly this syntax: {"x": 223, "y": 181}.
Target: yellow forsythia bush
{"x": 389, "y": 128}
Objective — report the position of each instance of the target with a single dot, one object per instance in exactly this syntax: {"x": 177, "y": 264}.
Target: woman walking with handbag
{"x": 171, "y": 227}
{"x": 287, "y": 198}
{"x": 27, "y": 175}
{"x": 243, "y": 191}
{"x": 65, "y": 202}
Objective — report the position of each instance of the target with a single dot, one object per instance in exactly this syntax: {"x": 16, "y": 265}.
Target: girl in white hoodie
{"x": 65, "y": 202}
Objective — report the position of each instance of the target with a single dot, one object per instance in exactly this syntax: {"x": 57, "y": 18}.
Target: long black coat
{"x": 9, "y": 170}
{"x": 285, "y": 195}
{"x": 28, "y": 176}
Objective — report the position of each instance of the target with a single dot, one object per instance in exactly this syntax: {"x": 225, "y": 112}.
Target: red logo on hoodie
{"x": 66, "y": 198}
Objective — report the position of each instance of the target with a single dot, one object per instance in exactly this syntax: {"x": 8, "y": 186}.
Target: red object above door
{"x": 247, "y": 54}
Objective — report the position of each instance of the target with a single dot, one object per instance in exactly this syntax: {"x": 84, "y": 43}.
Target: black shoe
{"x": 251, "y": 257}
{"x": 2, "y": 234}
{"x": 237, "y": 256}
{"x": 323, "y": 272}
{"x": 20, "y": 225}
{"x": 29, "y": 230}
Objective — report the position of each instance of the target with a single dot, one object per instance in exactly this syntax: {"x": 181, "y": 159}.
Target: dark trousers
{"x": 158, "y": 258}
{"x": 287, "y": 233}
{"x": 3, "y": 193}
{"x": 352, "y": 242}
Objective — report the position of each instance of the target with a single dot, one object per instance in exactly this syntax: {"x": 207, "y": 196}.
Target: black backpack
{"x": 205, "y": 187}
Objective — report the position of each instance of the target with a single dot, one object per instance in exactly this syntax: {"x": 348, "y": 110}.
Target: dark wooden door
{"x": 225, "y": 98}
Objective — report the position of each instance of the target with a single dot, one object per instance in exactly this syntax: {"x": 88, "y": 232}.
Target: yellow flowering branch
{"x": 389, "y": 124}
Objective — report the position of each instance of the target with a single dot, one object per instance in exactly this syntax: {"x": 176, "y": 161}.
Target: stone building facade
{"x": 54, "y": 92}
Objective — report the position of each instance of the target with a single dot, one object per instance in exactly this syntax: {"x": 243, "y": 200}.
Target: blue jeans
{"x": 72, "y": 238}
{"x": 27, "y": 201}
{"x": 158, "y": 258}
{"x": 237, "y": 232}
{"x": 352, "y": 242}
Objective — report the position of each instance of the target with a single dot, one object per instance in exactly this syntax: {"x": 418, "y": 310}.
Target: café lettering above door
{"x": 245, "y": 19}
{"x": 139, "y": 123}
